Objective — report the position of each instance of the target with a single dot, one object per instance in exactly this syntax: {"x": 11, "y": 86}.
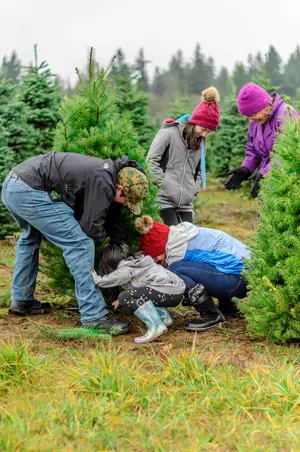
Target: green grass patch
{"x": 111, "y": 400}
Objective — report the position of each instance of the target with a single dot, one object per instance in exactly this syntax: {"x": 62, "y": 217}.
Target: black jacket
{"x": 86, "y": 184}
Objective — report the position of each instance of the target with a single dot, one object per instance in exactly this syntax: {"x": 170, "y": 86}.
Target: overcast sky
{"x": 226, "y": 29}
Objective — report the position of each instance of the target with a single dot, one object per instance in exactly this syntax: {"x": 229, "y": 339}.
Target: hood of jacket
{"x": 170, "y": 123}
{"x": 137, "y": 261}
{"x": 179, "y": 236}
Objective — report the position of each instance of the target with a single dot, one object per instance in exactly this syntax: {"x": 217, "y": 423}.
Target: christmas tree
{"x": 16, "y": 141}
{"x": 93, "y": 125}
{"x": 39, "y": 91}
{"x": 226, "y": 147}
{"x": 273, "y": 307}
{"x": 131, "y": 98}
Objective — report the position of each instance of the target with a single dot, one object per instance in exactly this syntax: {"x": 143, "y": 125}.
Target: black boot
{"x": 205, "y": 305}
{"x": 229, "y": 308}
{"x": 109, "y": 325}
{"x": 32, "y": 307}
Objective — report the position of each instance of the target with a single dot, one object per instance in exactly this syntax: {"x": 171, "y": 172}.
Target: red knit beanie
{"x": 154, "y": 235}
{"x": 207, "y": 113}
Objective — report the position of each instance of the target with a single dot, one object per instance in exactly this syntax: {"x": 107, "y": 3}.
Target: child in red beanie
{"x": 149, "y": 288}
{"x": 175, "y": 155}
{"x": 209, "y": 261}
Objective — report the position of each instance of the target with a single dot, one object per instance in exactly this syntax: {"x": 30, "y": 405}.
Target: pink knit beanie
{"x": 252, "y": 99}
{"x": 207, "y": 113}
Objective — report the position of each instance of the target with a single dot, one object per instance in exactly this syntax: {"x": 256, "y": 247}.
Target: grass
{"x": 217, "y": 391}
{"x": 112, "y": 400}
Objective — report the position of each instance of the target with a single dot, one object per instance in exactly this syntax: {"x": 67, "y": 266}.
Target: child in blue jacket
{"x": 209, "y": 261}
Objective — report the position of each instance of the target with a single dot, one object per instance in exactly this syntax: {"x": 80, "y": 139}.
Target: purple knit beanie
{"x": 252, "y": 99}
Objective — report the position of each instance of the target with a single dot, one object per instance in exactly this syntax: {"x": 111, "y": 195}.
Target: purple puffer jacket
{"x": 261, "y": 139}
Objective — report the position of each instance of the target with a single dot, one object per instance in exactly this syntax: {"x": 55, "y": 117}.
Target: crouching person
{"x": 209, "y": 261}
{"x": 74, "y": 201}
{"x": 149, "y": 288}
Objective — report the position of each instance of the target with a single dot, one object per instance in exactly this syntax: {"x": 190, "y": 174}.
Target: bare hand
{"x": 116, "y": 304}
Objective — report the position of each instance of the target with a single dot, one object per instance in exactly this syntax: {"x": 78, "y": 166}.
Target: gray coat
{"x": 141, "y": 271}
{"x": 179, "y": 177}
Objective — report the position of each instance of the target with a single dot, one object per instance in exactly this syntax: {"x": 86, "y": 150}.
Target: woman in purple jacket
{"x": 266, "y": 114}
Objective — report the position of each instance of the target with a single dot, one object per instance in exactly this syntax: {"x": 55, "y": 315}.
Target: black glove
{"x": 238, "y": 175}
{"x": 256, "y": 177}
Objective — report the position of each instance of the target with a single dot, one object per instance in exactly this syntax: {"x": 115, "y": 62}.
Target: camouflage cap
{"x": 135, "y": 186}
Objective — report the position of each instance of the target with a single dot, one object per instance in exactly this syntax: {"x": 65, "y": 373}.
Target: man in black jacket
{"x": 74, "y": 201}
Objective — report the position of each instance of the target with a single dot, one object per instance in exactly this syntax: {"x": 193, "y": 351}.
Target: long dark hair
{"x": 111, "y": 256}
{"x": 189, "y": 135}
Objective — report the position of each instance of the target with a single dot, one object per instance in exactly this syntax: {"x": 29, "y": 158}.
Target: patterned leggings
{"x": 136, "y": 297}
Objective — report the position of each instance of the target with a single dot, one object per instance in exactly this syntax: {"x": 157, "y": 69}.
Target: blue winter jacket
{"x": 187, "y": 242}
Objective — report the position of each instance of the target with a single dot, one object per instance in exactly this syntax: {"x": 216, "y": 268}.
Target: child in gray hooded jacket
{"x": 149, "y": 288}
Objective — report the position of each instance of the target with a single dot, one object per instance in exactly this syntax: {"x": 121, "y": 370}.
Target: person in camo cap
{"x": 135, "y": 188}
{"x": 75, "y": 202}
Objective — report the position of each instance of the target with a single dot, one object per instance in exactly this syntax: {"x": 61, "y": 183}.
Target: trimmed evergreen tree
{"x": 93, "y": 125}
{"x": 226, "y": 147}
{"x": 181, "y": 106}
{"x": 131, "y": 98}
{"x": 16, "y": 141}
{"x": 39, "y": 91}
{"x": 273, "y": 306}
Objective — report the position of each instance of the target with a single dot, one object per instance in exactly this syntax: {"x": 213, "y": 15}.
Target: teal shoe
{"x": 165, "y": 316}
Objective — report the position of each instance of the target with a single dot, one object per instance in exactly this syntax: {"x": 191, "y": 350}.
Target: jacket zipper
{"x": 182, "y": 178}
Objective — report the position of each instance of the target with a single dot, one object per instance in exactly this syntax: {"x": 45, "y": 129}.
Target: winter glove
{"x": 238, "y": 175}
{"x": 256, "y": 177}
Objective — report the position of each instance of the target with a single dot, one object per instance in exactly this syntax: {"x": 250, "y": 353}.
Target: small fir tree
{"x": 131, "y": 98}
{"x": 16, "y": 141}
{"x": 226, "y": 147}
{"x": 39, "y": 91}
{"x": 93, "y": 125}
{"x": 181, "y": 107}
{"x": 273, "y": 307}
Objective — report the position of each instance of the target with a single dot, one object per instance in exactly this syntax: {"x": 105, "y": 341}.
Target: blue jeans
{"x": 220, "y": 285}
{"x": 38, "y": 216}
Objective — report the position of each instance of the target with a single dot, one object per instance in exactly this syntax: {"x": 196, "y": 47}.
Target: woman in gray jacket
{"x": 174, "y": 158}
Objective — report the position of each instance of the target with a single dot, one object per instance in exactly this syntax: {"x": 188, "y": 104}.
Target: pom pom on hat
{"x": 210, "y": 95}
{"x": 144, "y": 224}
{"x": 207, "y": 113}
{"x": 154, "y": 235}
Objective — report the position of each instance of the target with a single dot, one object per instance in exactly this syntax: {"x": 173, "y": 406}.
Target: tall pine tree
{"x": 11, "y": 68}
{"x": 273, "y": 306}
{"x": 40, "y": 93}
{"x": 93, "y": 125}
{"x": 240, "y": 76}
{"x": 140, "y": 68}
{"x": 274, "y": 67}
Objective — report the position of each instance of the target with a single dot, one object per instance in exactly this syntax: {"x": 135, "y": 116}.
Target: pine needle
{"x": 73, "y": 333}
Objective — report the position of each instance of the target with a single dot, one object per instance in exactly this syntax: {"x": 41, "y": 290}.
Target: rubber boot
{"x": 211, "y": 316}
{"x": 165, "y": 316}
{"x": 149, "y": 315}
